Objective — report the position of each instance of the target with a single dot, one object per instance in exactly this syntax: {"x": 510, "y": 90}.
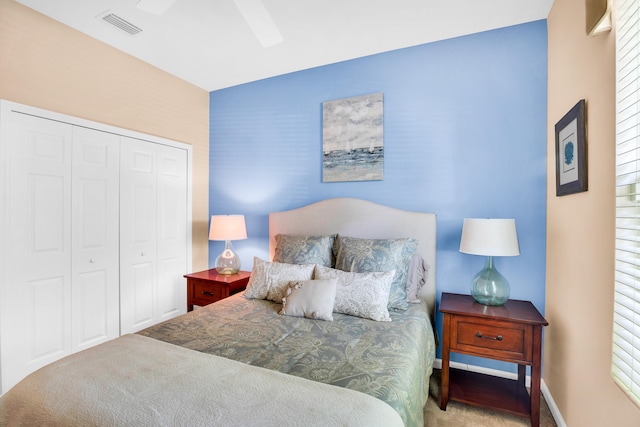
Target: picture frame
{"x": 353, "y": 139}
{"x": 571, "y": 151}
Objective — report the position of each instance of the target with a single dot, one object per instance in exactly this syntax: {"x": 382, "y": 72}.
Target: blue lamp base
{"x": 489, "y": 287}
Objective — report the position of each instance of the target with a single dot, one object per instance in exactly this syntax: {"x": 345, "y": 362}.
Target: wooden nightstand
{"x": 206, "y": 287}
{"x": 511, "y": 333}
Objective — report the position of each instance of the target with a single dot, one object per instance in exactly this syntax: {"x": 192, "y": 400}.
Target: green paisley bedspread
{"x": 391, "y": 361}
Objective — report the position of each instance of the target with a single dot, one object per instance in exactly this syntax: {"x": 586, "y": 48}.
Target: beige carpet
{"x": 459, "y": 414}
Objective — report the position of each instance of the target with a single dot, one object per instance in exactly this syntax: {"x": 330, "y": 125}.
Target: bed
{"x": 319, "y": 348}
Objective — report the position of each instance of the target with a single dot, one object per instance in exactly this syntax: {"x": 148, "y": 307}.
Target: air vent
{"x": 120, "y": 23}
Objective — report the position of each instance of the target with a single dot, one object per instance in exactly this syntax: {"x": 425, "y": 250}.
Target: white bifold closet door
{"x": 153, "y": 236}
{"x": 62, "y": 284}
{"x": 95, "y": 223}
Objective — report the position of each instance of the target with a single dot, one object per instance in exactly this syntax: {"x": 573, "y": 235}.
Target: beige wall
{"x": 48, "y": 65}
{"x": 580, "y": 231}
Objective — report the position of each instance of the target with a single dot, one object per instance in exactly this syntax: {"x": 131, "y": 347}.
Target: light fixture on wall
{"x": 597, "y": 16}
{"x": 227, "y": 228}
{"x": 489, "y": 237}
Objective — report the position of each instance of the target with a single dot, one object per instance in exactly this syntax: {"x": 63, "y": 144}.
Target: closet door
{"x": 95, "y": 239}
{"x": 138, "y": 234}
{"x": 172, "y": 231}
{"x": 153, "y": 233}
{"x": 36, "y": 312}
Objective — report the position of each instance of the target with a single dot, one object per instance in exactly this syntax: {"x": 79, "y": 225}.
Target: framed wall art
{"x": 352, "y": 139}
{"x": 571, "y": 151}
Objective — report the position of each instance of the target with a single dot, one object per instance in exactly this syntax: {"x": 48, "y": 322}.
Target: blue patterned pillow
{"x": 367, "y": 255}
{"x": 304, "y": 249}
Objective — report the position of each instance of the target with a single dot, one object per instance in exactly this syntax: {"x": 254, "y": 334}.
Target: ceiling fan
{"x": 259, "y": 21}
{"x": 253, "y": 12}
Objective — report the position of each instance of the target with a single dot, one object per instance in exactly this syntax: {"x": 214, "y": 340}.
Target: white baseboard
{"x": 555, "y": 412}
{"x": 557, "y": 416}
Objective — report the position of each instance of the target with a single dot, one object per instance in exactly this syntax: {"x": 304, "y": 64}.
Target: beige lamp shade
{"x": 227, "y": 227}
{"x": 489, "y": 237}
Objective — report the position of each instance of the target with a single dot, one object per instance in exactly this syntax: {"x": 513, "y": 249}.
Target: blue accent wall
{"x": 464, "y": 136}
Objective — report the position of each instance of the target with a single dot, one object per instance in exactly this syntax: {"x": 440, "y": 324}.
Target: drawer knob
{"x": 498, "y": 338}
{"x": 207, "y": 293}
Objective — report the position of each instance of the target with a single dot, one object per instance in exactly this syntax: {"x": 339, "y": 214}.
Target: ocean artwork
{"x": 352, "y": 139}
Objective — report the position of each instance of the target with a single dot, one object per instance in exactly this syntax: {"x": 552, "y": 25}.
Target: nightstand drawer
{"x": 206, "y": 292}
{"x": 491, "y": 338}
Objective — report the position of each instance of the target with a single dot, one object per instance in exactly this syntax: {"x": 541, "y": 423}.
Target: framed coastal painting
{"x": 352, "y": 139}
{"x": 571, "y": 152}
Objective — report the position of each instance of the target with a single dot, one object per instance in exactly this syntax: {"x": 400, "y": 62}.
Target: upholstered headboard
{"x": 361, "y": 218}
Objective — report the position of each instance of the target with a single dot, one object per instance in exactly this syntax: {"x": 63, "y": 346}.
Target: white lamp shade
{"x": 227, "y": 227}
{"x": 489, "y": 237}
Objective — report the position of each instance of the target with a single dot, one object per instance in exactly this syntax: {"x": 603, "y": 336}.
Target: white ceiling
{"x": 210, "y": 44}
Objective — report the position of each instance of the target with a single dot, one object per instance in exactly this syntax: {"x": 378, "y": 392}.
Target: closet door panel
{"x": 36, "y": 317}
{"x": 91, "y": 311}
{"x": 49, "y": 328}
{"x": 95, "y": 261}
{"x": 172, "y": 233}
{"x": 138, "y": 235}
{"x": 141, "y": 293}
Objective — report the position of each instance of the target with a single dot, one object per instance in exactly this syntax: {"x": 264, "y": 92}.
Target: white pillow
{"x": 363, "y": 295}
{"x": 310, "y": 298}
{"x": 269, "y": 280}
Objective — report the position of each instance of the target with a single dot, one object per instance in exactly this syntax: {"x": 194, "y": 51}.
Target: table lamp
{"x": 227, "y": 228}
{"x": 489, "y": 237}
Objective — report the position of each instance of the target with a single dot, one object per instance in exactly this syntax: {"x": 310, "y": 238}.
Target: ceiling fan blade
{"x": 157, "y": 7}
{"x": 259, "y": 21}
